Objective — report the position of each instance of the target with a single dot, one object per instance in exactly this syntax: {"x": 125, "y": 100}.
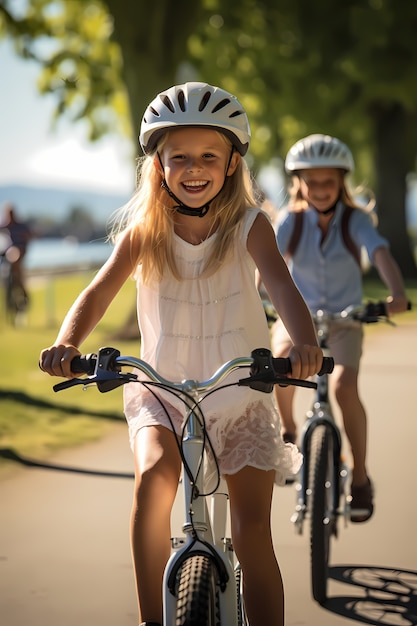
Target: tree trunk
{"x": 153, "y": 39}
{"x": 390, "y": 122}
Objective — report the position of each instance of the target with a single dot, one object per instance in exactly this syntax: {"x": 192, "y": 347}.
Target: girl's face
{"x": 195, "y": 162}
{"x": 321, "y": 187}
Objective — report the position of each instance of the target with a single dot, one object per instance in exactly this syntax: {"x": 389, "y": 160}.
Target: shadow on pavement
{"x": 390, "y": 595}
{"x": 27, "y": 400}
{"x": 10, "y": 455}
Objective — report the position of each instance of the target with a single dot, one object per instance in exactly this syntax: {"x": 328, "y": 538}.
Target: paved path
{"x": 64, "y": 538}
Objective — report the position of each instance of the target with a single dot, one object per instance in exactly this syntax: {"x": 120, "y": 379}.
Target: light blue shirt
{"x": 326, "y": 273}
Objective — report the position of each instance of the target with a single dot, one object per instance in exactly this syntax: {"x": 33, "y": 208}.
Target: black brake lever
{"x": 264, "y": 377}
{"x": 261, "y": 382}
{"x": 107, "y": 375}
{"x": 104, "y": 381}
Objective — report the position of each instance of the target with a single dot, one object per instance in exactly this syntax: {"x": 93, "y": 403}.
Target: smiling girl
{"x": 325, "y": 265}
{"x": 192, "y": 238}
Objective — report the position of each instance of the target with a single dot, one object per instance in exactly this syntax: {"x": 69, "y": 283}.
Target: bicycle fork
{"x": 201, "y": 535}
{"x": 320, "y": 416}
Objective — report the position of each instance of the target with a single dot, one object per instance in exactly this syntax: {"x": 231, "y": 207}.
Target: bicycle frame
{"x": 321, "y": 414}
{"x": 205, "y": 544}
{"x": 210, "y": 526}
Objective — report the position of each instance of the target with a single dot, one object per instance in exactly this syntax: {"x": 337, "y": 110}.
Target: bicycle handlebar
{"x": 104, "y": 370}
{"x": 368, "y": 313}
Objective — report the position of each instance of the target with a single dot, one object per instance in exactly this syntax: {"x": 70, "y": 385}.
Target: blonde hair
{"x": 149, "y": 216}
{"x": 298, "y": 203}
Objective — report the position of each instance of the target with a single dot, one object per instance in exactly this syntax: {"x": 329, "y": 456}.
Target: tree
{"x": 350, "y": 71}
{"x": 297, "y": 66}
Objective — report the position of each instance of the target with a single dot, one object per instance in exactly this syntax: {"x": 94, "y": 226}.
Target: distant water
{"x": 65, "y": 253}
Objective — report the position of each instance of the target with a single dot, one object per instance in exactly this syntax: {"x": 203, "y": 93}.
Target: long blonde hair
{"x": 149, "y": 216}
{"x": 298, "y": 203}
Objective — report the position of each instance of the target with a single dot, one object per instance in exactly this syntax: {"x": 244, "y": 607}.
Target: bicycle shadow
{"x": 390, "y": 595}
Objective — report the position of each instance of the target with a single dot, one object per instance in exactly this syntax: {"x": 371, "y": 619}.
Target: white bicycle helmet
{"x": 319, "y": 151}
{"x": 198, "y": 105}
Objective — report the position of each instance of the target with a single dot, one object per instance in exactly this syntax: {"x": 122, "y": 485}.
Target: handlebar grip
{"x": 373, "y": 310}
{"x": 282, "y": 366}
{"x": 84, "y": 364}
{"x": 327, "y": 365}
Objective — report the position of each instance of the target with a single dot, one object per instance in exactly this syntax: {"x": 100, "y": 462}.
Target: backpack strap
{"x": 296, "y": 234}
{"x": 347, "y": 239}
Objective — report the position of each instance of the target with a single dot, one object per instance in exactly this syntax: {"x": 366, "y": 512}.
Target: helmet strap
{"x": 183, "y": 208}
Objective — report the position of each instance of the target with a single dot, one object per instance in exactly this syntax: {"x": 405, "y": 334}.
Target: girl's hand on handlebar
{"x": 397, "y": 304}
{"x": 305, "y": 361}
{"x": 56, "y": 360}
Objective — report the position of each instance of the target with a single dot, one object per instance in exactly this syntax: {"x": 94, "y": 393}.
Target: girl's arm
{"x": 390, "y": 274}
{"x": 89, "y": 308}
{"x": 306, "y": 357}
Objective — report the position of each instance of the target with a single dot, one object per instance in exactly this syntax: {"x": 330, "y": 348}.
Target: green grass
{"x": 35, "y": 421}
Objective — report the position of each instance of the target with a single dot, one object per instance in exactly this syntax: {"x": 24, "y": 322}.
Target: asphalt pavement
{"x": 64, "y": 535}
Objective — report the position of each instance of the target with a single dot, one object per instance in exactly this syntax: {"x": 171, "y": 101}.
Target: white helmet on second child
{"x": 197, "y": 105}
{"x": 317, "y": 151}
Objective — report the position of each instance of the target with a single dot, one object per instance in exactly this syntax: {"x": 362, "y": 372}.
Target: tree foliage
{"x": 298, "y": 67}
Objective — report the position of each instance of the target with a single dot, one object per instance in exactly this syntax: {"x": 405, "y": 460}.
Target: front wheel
{"x": 242, "y": 620}
{"x": 196, "y": 591}
{"x": 322, "y": 521}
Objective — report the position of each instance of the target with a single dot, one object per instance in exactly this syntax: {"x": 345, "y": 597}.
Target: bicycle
{"x": 322, "y": 493}
{"x": 16, "y": 299}
{"x": 202, "y": 580}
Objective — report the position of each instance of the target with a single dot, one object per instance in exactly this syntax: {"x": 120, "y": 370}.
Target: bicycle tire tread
{"x": 197, "y": 602}
{"x": 320, "y": 532}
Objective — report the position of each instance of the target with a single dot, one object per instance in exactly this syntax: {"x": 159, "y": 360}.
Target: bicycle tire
{"x": 17, "y": 301}
{"x": 241, "y": 613}
{"x": 196, "y": 591}
{"x": 320, "y": 504}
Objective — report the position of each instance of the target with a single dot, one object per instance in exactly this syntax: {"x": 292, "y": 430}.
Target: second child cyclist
{"x": 328, "y": 274}
{"x": 192, "y": 238}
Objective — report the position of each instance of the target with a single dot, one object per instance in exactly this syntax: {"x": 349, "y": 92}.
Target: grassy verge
{"x": 34, "y": 421}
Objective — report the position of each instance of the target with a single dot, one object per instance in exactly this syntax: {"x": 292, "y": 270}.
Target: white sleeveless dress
{"x": 191, "y": 327}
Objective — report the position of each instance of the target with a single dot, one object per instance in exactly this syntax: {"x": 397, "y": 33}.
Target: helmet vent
{"x": 236, "y": 113}
{"x": 154, "y": 111}
{"x": 221, "y": 105}
{"x": 168, "y": 103}
{"x": 204, "y": 101}
{"x": 181, "y": 100}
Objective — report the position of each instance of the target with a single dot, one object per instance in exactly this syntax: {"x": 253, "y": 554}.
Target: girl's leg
{"x": 284, "y": 396}
{"x": 157, "y": 470}
{"x": 345, "y": 382}
{"x": 250, "y": 492}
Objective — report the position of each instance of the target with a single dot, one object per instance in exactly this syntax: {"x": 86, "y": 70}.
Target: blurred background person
{"x": 16, "y": 234}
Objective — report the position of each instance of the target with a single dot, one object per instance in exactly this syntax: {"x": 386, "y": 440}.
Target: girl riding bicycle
{"x": 321, "y": 235}
{"x": 192, "y": 237}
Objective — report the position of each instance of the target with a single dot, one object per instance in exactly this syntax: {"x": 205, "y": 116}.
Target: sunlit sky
{"x": 32, "y": 153}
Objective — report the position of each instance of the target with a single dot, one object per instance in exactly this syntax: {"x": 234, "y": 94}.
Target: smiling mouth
{"x": 194, "y": 186}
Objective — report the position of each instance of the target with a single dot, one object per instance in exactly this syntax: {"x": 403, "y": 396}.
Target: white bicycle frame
{"x": 210, "y": 524}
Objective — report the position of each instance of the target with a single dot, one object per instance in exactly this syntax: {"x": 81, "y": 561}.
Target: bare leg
{"x": 250, "y": 493}
{"x": 345, "y": 381}
{"x": 157, "y": 470}
{"x": 284, "y": 397}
